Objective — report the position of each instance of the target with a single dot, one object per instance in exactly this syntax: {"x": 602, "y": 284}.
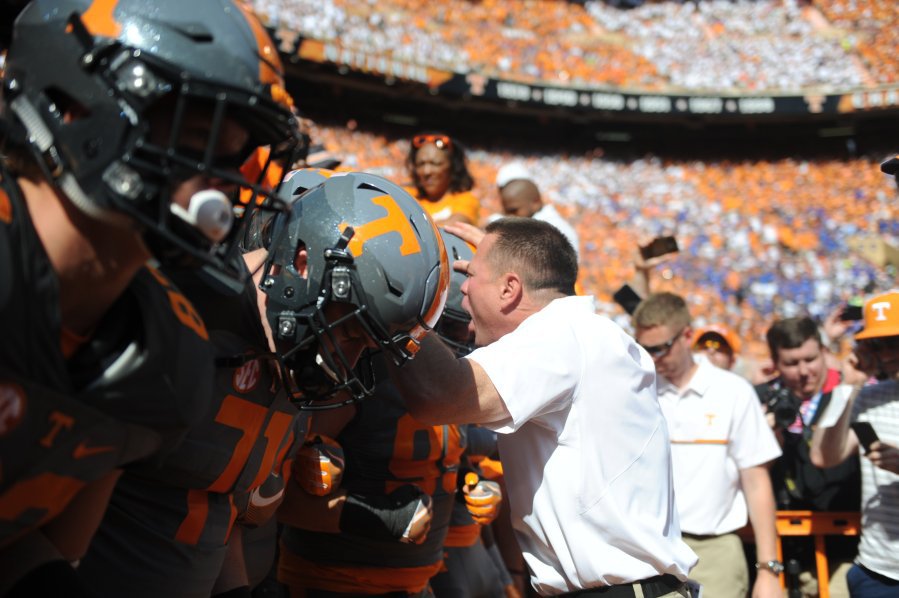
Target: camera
{"x": 779, "y": 401}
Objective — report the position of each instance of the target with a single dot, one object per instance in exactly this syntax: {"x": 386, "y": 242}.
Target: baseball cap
{"x": 719, "y": 329}
{"x": 881, "y": 315}
{"x": 890, "y": 166}
{"x": 512, "y": 172}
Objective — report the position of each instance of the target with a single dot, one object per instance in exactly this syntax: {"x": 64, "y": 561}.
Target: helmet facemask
{"x": 96, "y": 132}
{"x": 306, "y": 327}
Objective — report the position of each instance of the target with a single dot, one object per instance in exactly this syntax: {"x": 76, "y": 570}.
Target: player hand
{"x": 420, "y": 509}
{"x": 318, "y": 466}
{"x": 483, "y": 498}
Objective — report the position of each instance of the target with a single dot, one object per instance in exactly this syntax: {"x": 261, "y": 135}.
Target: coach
{"x": 582, "y": 438}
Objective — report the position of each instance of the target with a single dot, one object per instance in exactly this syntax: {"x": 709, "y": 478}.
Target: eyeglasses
{"x": 441, "y": 141}
{"x": 659, "y": 351}
{"x": 886, "y": 343}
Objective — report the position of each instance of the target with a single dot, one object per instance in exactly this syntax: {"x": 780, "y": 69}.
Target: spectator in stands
{"x": 719, "y": 344}
{"x": 721, "y": 448}
{"x": 875, "y": 573}
{"x": 442, "y": 183}
{"x": 794, "y": 402}
{"x": 520, "y": 196}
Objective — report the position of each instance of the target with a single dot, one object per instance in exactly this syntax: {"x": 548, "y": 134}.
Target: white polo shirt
{"x": 717, "y": 428}
{"x": 585, "y": 454}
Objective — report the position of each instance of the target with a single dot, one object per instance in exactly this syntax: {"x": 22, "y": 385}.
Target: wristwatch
{"x": 775, "y": 567}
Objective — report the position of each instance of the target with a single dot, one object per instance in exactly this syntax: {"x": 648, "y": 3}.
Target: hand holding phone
{"x": 627, "y": 298}
{"x": 865, "y": 433}
{"x": 851, "y": 313}
{"x": 659, "y": 246}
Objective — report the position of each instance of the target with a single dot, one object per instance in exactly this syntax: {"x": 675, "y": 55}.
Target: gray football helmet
{"x": 258, "y": 234}
{"x": 370, "y": 247}
{"x": 453, "y": 324}
{"x": 88, "y": 81}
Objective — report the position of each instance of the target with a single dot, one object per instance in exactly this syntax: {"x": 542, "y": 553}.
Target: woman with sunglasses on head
{"x": 440, "y": 179}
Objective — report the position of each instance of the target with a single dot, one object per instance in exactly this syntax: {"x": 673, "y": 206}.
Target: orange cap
{"x": 881, "y": 316}
{"x": 723, "y": 331}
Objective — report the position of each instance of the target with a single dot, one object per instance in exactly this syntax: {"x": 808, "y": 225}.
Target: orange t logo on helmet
{"x": 394, "y": 221}
{"x": 99, "y": 20}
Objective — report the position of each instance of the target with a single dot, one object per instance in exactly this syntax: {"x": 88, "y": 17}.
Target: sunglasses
{"x": 887, "y": 343}
{"x": 441, "y": 141}
{"x": 659, "y": 351}
{"x": 713, "y": 344}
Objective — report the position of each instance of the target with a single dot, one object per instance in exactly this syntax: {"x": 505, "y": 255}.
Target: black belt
{"x": 652, "y": 588}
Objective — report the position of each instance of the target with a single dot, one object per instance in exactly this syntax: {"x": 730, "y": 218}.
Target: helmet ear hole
{"x": 66, "y": 106}
{"x": 301, "y": 260}
{"x": 394, "y": 289}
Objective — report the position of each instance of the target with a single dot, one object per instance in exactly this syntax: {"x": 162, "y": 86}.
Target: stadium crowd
{"x": 746, "y": 254}
{"x": 230, "y": 371}
{"x": 753, "y": 46}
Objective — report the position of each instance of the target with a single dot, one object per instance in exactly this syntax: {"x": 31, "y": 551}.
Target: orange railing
{"x": 817, "y": 524}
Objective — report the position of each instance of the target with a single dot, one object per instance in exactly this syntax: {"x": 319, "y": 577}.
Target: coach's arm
{"x": 439, "y": 388}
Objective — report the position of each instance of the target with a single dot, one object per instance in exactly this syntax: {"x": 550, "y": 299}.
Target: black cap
{"x": 890, "y": 166}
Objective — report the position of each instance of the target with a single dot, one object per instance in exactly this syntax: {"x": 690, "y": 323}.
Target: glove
{"x": 482, "y": 498}
{"x": 404, "y": 514}
{"x": 318, "y": 466}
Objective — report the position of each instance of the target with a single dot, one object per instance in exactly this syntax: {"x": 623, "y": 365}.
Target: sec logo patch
{"x": 246, "y": 377}
{"x": 12, "y": 407}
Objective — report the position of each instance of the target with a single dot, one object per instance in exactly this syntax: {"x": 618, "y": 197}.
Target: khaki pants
{"x": 722, "y": 565}
{"x": 838, "y": 587}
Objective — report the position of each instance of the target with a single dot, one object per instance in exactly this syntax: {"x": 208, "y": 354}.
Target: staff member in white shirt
{"x": 583, "y": 442}
{"x": 721, "y": 449}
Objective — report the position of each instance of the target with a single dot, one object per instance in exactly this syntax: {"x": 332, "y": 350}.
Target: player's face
{"x": 432, "y": 168}
{"x": 348, "y": 338}
{"x": 230, "y": 152}
{"x": 802, "y": 369}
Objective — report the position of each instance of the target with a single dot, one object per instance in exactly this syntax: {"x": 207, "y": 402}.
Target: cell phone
{"x": 659, "y": 246}
{"x": 851, "y": 313}
{"x": 865, "y": 433}
{"x": 627, "y": 298}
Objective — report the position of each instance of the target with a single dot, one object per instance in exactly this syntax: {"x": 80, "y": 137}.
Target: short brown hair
{"x": 791, "y": 333}
{"x": 535, "y": 250}
{"x": 662, "y": 309}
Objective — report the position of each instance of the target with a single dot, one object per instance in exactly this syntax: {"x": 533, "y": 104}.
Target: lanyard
{"x": 808, "y": 414}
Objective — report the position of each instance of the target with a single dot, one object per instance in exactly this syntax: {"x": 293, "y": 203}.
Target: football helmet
{"x": 122, "y": 101}
{"x": 453, "y": 324}
{"x": 258, "y": 233}
{"x": 370, "y": 248}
